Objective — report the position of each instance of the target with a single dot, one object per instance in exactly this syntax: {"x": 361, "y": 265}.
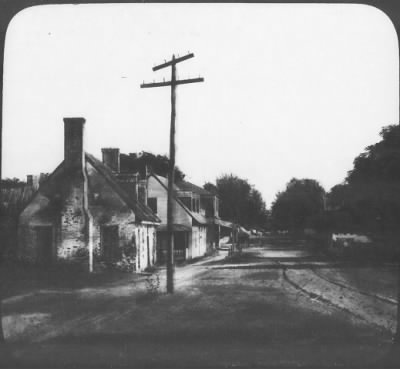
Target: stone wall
{"x": 73, "y": 238}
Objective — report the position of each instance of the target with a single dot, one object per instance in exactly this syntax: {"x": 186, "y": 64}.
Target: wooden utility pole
{"x": 171, "y": 173}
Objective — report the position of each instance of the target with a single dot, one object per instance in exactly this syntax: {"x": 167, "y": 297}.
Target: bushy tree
{"x": 379, "y": 162}
{"x": 211, "y": 187}
{"x": 159, "y": 164}
{"x": 370, "y": 196}
{"x": 299, "y": 205}
{"x": 240, "y": 202}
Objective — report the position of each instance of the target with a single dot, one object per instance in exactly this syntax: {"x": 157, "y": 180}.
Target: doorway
{"x": 109, "y": 242}
{"x": 44, "y": 242}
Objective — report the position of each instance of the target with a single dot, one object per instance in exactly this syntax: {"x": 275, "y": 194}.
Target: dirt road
{"x": 252, "y": 311}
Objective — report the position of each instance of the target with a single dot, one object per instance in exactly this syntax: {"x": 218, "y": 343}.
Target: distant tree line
{"x": 12, "y": 183}
{"x": 367, "y": 200}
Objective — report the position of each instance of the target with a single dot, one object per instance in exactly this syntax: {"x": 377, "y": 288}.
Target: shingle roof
{"x": 142, "y": 212}
{"x": 187, "y": 186}
{"x": 51, "y": 184}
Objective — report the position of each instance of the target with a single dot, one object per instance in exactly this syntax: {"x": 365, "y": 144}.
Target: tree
{"x": 300, "y": 203}
{"x": 240, "y": 202}
{"x": 211, "y": 187}
{"x": 134, "y": 163}
{"x": 370, "y": 195}
{"x": 257, "y": 213}
{"x": 379, "y": 162}
{"x": 12, "y": 183}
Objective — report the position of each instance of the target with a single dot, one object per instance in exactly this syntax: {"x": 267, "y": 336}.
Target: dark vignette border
{"x": 9, "y": 8}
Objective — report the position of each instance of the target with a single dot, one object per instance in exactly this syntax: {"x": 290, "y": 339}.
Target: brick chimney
{"x": 29, "y": 180}
{"x": 73, "y": 142}
{"x": 111, "y": 158}
{"x": 32, "y": 181}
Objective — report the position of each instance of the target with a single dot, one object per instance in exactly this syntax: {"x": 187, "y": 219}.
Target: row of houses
{"x": 88, "y": 211}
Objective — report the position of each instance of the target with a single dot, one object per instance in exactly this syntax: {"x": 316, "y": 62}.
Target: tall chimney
{"x": 111, "y": 158}
{"x": 29, "y": 180}
{"x": 73, "y": 142}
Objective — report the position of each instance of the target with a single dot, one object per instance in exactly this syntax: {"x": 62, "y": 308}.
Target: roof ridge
{"x": 135, "y": 205}
{"x": 177, "y": 199}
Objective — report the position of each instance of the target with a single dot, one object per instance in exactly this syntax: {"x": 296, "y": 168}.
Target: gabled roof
{"x": 196, "y": 216}
{"x": 142, "y": 212}
{"x": 163, "y": 181}
{"x": 187, "y": 186}
{"x": 50, "y": 186}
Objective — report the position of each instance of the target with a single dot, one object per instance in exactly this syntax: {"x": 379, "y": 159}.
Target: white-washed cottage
{"x": 82, "y": 213}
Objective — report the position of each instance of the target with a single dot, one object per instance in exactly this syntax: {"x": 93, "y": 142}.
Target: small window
{"x": 152, "y": 203}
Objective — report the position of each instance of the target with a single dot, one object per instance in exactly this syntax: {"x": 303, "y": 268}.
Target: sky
{"x": 290, "y": 90}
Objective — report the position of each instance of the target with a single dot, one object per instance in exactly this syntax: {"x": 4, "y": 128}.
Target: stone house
{"x": 83, "y": 213}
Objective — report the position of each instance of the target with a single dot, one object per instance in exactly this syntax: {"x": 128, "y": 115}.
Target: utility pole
{"x": 171, "y": 173}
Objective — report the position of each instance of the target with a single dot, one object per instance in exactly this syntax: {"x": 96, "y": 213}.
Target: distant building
{"x": 197, "y": 226}
{"x": 82, "y": 213}
{"x": 196, "y": 222}
{"x": 189, "y": 221}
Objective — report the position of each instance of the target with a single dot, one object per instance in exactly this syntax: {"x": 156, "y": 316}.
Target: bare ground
{"x": 218, "y": 317}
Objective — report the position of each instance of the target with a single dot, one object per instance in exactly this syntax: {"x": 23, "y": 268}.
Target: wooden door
{"x": 180, "y": 245}
{"x": 109, "y": 242}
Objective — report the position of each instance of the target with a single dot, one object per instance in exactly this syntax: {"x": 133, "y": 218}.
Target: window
{"x": 152, "y": 203}
{"x": 196, "y": 205}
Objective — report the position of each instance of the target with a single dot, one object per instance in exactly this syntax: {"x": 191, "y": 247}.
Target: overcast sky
{"x": 289, "y": 91}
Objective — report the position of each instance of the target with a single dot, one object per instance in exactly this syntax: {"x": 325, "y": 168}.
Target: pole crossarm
{"x": 171, "y": 172}
{"x": 173, "y": 61}
{"x": 169, "y": 83}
